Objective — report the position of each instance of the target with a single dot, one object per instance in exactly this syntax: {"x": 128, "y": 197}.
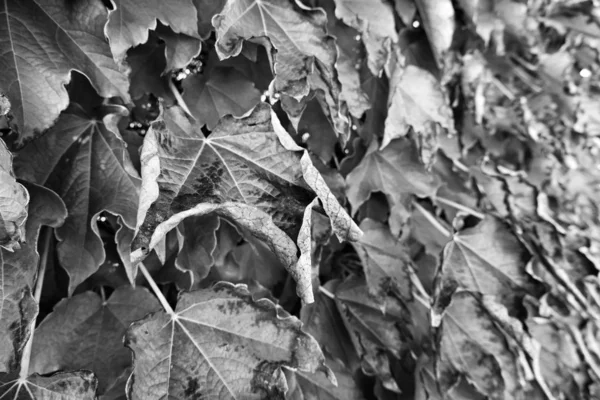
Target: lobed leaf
{"x": 43, "y": 42}
{"x": 219, "y": 343}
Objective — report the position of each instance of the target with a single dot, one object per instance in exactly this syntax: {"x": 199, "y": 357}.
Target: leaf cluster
{"x": 299, "y": 199}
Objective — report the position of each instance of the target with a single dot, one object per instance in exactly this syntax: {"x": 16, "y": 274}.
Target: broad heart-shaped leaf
{"x": 180, "y": 49}
{"x": 374, "y": 19}
{"x": 86, "y": 332}
{"x": 41, "y": 42}
{"x": 18, "y": 270}
{"x": 376, "y": 335}
{"x": 486, "y": 259}
{"x": 397, "y": 172}
{"x": 80, "y": 385}
{"x": 417, "y": 101}
{"x": 219, "y": 344}
{"x": 298, "y": 34}
{"x": 385, "y": 260}
{"x": 241, "y": 161}
{"x": 473, "y": 346}
{"x": 83, "y": 159}
{"x": 13, "y": 203}
{"x": 305, "y": 386}
{"x": 305, "y": 54}
{"x": 222, "y": 92}
{"x": 130, "y": 20}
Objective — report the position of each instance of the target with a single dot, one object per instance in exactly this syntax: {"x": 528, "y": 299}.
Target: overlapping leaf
{"x": 130, "y": 20}
{"x": 42, "y": 42}
{"x": 59, "y": 386}
{"x": 83, "y": 159}
{"x": 18, "y": 270}
{"x": 219, "y": 343}
{"x": 473, "y": 347}
{"x": 299, "y": 64}
{"x": 375, "y": 21}
{"x": 397, "y": 172}
{"x": 486, "y": 259}
{"x": 225, "y": 91}
{"x": 385, "y": 260}
{"x": 86, "y": 332}
{"x": 14, "y": 200}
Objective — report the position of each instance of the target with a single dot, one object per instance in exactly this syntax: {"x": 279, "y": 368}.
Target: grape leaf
{"x": 14, "y": 200}
{"x": 375, "y": 21}
{"x": 376, "y": 336}
{"x": 386, "y": 261}
{"x": 242, "y": 160}
{"x": 305, "y": 386}
{"x": 148, "y": 63}
{"x": 287, "y": 25}
{"x": 197, "y": 242}
{"x": 180, "y": 49}
{"x": 298, "y": 64}
{"x": 83, "y": 159}
{"x": 17, "y": 275}
{"x": 439, "y": 20}
{"x": 417, "y": 101}
{"x": 472, "y": 346}
{"x": 219, "y": 344}
{"x": 397, "y": 172}
{"x": 223, "y": 91}
{"x": 349, "y": 55}
{"x": 207, "y": 9}
{"x": 487, "y": 259}
{"x": 42, "y": 43}
{"x": 86, "y": 332}
{"x": 80, "y": 385}
{"x": 130, "y": 20}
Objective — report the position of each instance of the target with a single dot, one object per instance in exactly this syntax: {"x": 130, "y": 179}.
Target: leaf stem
{"x": 37, "y": 295}
{"x": 161, "y": 298}
{"x": 460, "y": 207}
{"x": 179, "y": 98}
{"x": 432, "y": 219}
{"x": 326, "y": 292}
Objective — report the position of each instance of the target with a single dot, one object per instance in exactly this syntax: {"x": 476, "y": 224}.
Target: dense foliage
{"x": 299, "y": 199}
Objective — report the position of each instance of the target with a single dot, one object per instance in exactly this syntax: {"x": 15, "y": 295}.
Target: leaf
{"x": 207, "y": 9}
{"x": 397, "y": 172}
{"x": 241, "y": 161}
{"x": 42, "y": 43}
{"x": 197, "y": 242}
{"x": 148, "y": 63}
{"x": 130, "y": 20}
{"x": 486, "y": 259}
{"x": 439, "y": 21}
{"x": 256, "y": 223}
{"x": 79, "y": 385}
{"x": 83, "y": 159}
{"x": 287, "y": 26}
{"x": 223, "y": 91}
{"x": 472, "y": 346}
{"x": 221, "y": 344}
{"x": 386, "y": 261}
{"x": 298, "y": 64}
{"x": 18, "y": 270}
{"x": 180, "y": 49}
{"x": 323, "y": 321}
{"x": 428, "y": 389}
{"x": 375, "y": 21}
{"x": 14, "y": 200}
{"x": 349, "y": 53}
{"x": 86, "y": 332}
{"x": 304, "y": 386}
{"x": 417, "y": 101}
{"x": 376, "y": 335}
